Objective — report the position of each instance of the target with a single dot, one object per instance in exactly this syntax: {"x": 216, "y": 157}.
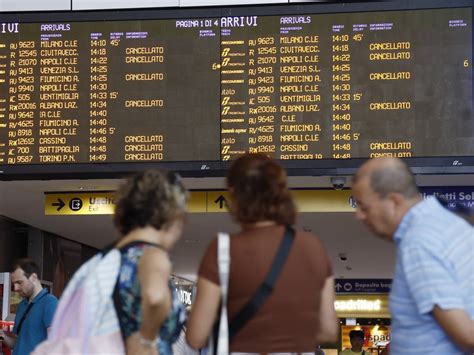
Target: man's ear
{"x": 34, "y": 277}
{"x": 397, "y": 198}
{"x": 399, "y": 204}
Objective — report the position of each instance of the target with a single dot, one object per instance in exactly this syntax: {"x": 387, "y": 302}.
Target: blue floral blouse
{"x": 127, "y": 299}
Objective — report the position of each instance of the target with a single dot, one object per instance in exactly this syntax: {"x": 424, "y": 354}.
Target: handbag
{"x": 85, "y": 321}
{"x": 226, "y": 330}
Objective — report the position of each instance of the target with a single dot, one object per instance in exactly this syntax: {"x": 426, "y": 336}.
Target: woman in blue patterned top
{"x": 150, "y": 216}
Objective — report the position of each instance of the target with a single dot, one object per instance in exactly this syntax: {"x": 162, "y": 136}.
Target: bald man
{"x": 432, "y": 296}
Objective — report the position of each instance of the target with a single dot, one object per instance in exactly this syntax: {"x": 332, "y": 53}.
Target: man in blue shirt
{"x": 34, "y": 314}
{"x": 432, "y": 296}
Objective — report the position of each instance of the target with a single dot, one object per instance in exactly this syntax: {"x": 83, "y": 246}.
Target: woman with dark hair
{"x": 299, "y": 313}
{"x": 149, "y": 215}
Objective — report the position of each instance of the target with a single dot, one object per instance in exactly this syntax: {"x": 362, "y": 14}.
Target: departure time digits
{"x": 342, "y": 86}
{"x": 296, "y": 87}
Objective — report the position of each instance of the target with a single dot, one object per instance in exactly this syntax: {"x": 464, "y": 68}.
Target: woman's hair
{"x": 151, "y": 198}
{"x": 259, "y": 191}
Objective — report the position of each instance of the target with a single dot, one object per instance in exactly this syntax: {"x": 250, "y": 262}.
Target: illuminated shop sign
{"x": 358, "y": 305}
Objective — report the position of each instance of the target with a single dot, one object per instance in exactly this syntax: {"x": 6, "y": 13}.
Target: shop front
{"x": 368, "y": 313}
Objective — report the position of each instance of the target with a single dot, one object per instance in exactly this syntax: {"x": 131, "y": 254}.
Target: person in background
{"x": 431, "y": 300}
{"x": 299, "y": 313}
{"x": 357, "y": 342}
{"x": 150, "y": 215}
{"x": 34, "y": 313}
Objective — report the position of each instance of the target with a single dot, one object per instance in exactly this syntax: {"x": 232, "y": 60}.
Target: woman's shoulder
{"x": 308, "y": 237}
{"x": 156, "y": 257}
{"x": 264, "y": 233}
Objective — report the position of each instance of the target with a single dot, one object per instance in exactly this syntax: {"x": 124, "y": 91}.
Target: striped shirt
{"x": 435, "y": 266}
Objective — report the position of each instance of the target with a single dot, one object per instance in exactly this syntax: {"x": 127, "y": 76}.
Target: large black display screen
{"x": 304, "y": 87}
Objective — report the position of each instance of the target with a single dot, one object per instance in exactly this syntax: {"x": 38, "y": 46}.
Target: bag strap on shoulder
{"x": 266, "y": 288}
{"x": 130, "y": 244}
{"x": 221, "y": 347}
{"x": 20, "y": 324}
{"x": 28, "y": 309}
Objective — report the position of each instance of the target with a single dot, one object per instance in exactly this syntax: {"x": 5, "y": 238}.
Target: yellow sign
{"x": 87, "y": 203}
{"x": 217, "y": 201}
{"x": 306, "y": 201}
{"x": 197, "y": 202}
{"x": 359, "y": 306}
{"x": 323, "y": 200}
{"x": 79, "y": 203}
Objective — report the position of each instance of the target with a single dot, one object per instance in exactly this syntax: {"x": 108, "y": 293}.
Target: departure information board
{"x": 299, "y": 87}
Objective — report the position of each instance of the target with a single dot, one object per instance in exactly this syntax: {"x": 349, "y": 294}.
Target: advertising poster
{"x": 375, "y": 336}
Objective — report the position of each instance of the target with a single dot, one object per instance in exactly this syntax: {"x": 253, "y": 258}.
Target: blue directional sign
{"x": 454, "y": 196}
{"x": 363, "y": 285}
{"x": 459, "y": 199}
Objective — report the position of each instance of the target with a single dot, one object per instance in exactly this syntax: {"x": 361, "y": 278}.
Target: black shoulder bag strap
{"x": 30, "y": 305}
{"x": 28, "y": 309}
{"x": 266, "y": 288}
